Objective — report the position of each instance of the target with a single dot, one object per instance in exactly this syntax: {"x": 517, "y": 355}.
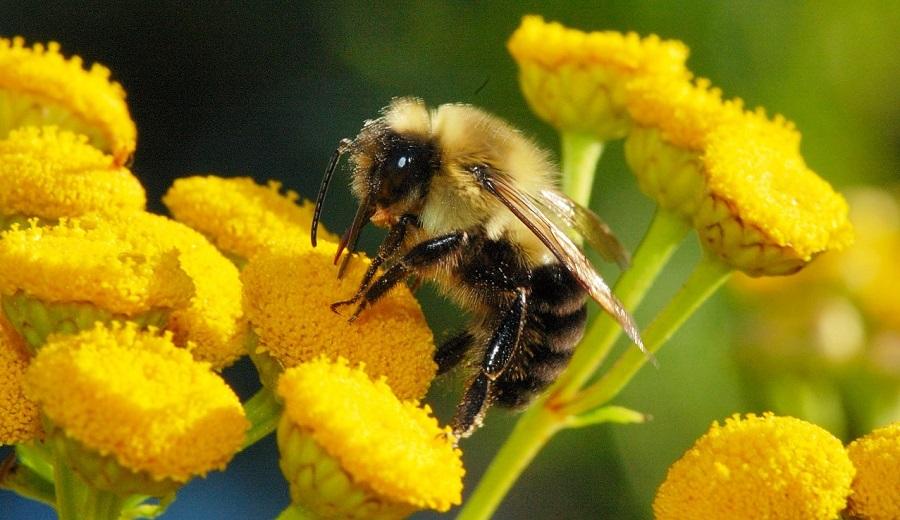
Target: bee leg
{"x": 422, "y": 255}
{"x": 505, "y": 340}
{"x": 470, "y": 411}
{"x": 387, "y": 249}
{"x": 451, "y": 352}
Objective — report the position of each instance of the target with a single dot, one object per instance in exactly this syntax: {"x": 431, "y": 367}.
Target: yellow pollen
{"x": 876, "y": 488}
{"x": 39, "y": 86}
{"x": 576, "y": 80}
{"x": 758, "y": 467}
{"x": 395, "y": 448}
{"x": 136, "y": 396}
{"x": 287, "y": 297}
{"x": 19, "y": 419}
{"x": 51, "y": 173}
{"x": 240, "y": 216}
{"x": 88, "y": 261}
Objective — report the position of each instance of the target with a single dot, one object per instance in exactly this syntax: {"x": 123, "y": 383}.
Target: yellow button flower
{"x": 876, "y": 488}
{"x": 134, "y": 398}
{"x": 287, "y": 296}
{"x": 240, "y": 216}
{"x": 672, "y": 119}
{"x": 64, "y": 277}
{"x": 765, "y": 212}
{"x": 51, "y": 173}
{"x": 39, "y": 86}
{"x": 19, "y": 420}
{"x": 758, "y": 467}
{"x": 214, "y": 319}
{"x": 351, "y": 449}
{"x": 576, "y": 81}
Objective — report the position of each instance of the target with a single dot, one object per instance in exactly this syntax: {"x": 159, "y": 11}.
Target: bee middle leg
{"x": 500, "y": 351}
{"x": 421, "y": 256}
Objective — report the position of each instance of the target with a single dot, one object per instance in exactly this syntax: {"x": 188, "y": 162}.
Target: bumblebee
{"x": 473, "y": 205}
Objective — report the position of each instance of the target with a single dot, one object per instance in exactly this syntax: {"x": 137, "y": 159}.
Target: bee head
{"x": 397, "y": 180}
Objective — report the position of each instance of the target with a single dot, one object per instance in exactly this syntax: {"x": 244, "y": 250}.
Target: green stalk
{"x": 69, "y": 488}
{"x": 28, "y": 483}
{"x": 543, "y": 419}
{"x": 263, "y": 411}
{"x": 663, "y": 237}
{"x": 101, "y": 505}
{"x": 38, "y": 457}
{"x": 709, "y": 274}
{"x": 293, "y": 512}
{"x": 580, "y": 155}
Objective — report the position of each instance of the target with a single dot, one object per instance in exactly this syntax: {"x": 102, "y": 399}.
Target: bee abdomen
{"x": 554, "y": 326}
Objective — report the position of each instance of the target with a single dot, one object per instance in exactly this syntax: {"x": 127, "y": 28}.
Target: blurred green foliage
{"x": 269, "y": 88}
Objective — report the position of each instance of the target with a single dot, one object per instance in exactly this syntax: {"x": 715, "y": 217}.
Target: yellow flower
{"x": 576, "y": 81}
{"x": 62, "y": 278}
{"x": 287, "y": 296}
{"x": 133, "y": 399}
{"x": 672, "y": 120}
{"x": 39, "y": 86}
{"x": 214, "y": 319}
{"x": 351, "y": 449}
{"x": 758, "y": 467}
{"x": 51, "y": 173}
{"x": 19, "y": 419}
{"x": 240, "y": 216}
{"x": 876, "y": 488}
{"x": 765, "y": 212}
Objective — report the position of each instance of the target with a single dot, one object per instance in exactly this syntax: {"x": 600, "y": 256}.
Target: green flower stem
{"x": 263, "y": 411}
{"x": 580, "y": 154}
{"x": 663, "y": 237}
{"x": 36, "y": 456}
{"x": 293, "y": 512}
{"x": 69, "y": 489}
{"x": 542, "y": 420}
{"x": 534, "y": 428}
{"x": 709, "y": 274}
{"x": 101, "y": 505}
{"x": 26, "y": 482}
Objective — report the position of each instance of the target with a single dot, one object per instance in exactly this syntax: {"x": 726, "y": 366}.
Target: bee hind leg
{"x": 500, "y": 351}
{"x": 452, "y": 351}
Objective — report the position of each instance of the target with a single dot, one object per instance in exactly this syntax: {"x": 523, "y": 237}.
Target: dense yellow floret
{"x": 240, "y": 216}
{"x": 19, "y": 419}
{"x": 758, "y": 467}
{"x": 88, "y": 261}
{"x": 394, "y": 448}
{"x": 287, "y": 297}
{"x": 214, "y": 318}
{"x": 576, "y": 81}
{"x": 135, "y": 396}
{"x": 51, "y": 173}
{"x": 876, "y": 488}
{"x": 39, "y": 86}
{"x": 765, "y": 211}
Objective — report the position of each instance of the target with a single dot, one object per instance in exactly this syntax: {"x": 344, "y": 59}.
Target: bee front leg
{"x": 451, "y": 352}
{"x": 421, "y": 256}
{"x": 387, "y": 249}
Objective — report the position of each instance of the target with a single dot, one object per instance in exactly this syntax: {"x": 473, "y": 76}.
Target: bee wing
{"x": 586, "y": 223}
{"x": 556, "y": 240}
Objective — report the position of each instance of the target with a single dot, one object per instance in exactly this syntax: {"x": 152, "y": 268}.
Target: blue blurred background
{"x": 268, "y": 88}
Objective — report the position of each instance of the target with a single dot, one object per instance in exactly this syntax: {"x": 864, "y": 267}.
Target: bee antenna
{"x": 342, "y": 148}
{"x": 484, "y": 83}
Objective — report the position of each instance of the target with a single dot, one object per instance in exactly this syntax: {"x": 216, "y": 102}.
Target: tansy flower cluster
{"x": 736, "y": 175}
{"x": 115, "y": 323}
{"x": 781, "y": 467}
